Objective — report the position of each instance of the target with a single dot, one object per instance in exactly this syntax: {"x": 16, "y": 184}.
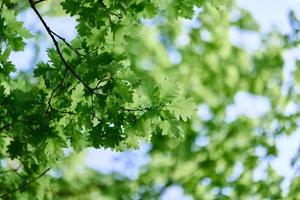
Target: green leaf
{"x": 182, "y": 108}
{"x": 54, "y": 149}
{"x": 77, "y": 96}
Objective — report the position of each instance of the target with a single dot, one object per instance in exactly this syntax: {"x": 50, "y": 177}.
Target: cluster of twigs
{"x": 68, "y": 69}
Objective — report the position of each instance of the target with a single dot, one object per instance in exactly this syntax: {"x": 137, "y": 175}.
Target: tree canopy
{"x": 116, "y": 86}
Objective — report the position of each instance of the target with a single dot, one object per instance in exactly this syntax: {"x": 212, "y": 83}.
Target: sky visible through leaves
{"x": 268, "y": 13}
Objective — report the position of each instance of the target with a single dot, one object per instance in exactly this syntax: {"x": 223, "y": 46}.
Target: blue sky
{"x": 269, "y": 13}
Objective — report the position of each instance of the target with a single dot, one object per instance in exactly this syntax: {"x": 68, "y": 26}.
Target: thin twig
{"x": 56, "y": 88}
{"x": 93, "y": 109}
{"x": 25, "y": 184}
{"x": 97, "y": 85}
{"x": 68, "y": 44}
{"x": 106, "y": 11}
{"x": 49, "y": 31}
{"x": 106, "y": 78}
{"x": 39, "y": 1}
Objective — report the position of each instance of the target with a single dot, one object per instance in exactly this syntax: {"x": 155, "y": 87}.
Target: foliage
{"x": 114, "y": 86}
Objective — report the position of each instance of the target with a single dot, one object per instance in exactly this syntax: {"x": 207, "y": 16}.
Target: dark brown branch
{"x": 56, "y": 88}
{"x": 106, "y": 11}
{"x": 24, "y": 184}
{"x": 39, "y": 1}
{"x": 97, "y": 85}
{"x": 49, "y": 31}
{"x": 106, "y": 78}
{"x": 68, "y": 44}
{"x": 93, "y": 109}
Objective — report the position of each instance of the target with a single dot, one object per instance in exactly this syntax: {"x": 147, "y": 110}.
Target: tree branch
{"x": 25, "y": 184}
{"x": 50, "y": 33}
{"x": 93, "y": 109}
{"x": 56, "y": 88}
{"x": 39, "y": 1}
{"x": 68, "y": 44}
